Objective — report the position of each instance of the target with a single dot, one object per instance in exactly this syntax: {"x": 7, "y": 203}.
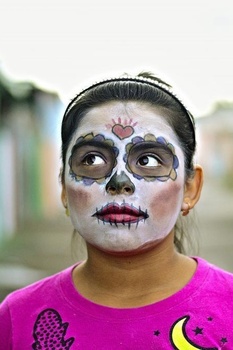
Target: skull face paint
{"x": 92, "y": 153}
{"x": 112, "y": 203}
{"x": 151, "y": 158}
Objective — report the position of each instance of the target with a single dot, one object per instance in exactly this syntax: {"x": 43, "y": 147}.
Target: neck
{"x": 133, "y": 280}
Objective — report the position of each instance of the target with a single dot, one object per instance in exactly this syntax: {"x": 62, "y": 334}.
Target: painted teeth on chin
{"x": 131, "y": 209}
{"x": 142, "y": 212}
{"x": 97, "y": 215}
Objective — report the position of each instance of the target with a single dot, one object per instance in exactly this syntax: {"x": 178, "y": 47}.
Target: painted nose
{"x": 120, "y": 184}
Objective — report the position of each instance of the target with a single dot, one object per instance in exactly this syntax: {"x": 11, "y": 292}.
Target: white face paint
{"x": 151, "y": 167}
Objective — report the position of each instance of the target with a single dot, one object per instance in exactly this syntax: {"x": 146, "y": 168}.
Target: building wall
{"x": 215, "y": 144}
{"x": 29, "y": 158}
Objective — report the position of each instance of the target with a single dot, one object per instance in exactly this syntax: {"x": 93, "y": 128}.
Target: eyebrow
{"x": 150, "y": 144}
{"x": 95, "y": 143}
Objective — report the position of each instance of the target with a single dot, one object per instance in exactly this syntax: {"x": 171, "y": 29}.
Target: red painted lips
{"x": 120, "y": 214}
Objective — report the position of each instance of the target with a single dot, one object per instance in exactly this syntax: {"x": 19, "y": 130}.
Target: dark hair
{"x": 145, "y": 88}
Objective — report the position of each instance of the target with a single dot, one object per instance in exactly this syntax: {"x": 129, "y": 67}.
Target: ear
{"x": 63, "y": 196}
{"x": 193, "y": 189}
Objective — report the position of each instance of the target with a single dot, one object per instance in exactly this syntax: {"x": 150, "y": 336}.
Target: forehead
{"x": 142, "y": 117}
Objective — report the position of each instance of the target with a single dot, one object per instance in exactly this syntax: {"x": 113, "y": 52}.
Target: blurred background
{"x": 49, "y": 50}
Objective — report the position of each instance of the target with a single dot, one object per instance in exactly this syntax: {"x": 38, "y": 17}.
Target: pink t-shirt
{"x": 51, "y": 314}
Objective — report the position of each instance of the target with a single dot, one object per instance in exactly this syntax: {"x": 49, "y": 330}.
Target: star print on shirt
{"x": 224, "y": 340}
{"x": 198, "y": 330}
{"x": 157, "y": 333}
{"x": 210, "y": 318}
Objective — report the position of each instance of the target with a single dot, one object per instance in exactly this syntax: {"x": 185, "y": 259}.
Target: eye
{"x": 148, "y": 161}
{"x": 93, "y": 159}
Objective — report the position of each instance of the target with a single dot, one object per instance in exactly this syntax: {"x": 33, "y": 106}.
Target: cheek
{"x": 79, "y": 199}
{"x": 166, "y": 200}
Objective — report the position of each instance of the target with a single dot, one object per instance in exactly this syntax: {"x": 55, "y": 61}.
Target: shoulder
{"x": 204, "y": 264}
{"x": 42, "y": 289}
{"x": 21, "y": 310}
{"x": 215, "y": 277}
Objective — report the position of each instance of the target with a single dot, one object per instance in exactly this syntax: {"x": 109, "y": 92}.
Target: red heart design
{"x": 122, "y": 131}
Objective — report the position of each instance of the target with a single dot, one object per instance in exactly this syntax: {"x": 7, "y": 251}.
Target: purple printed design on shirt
{"x": 49, "y": 332}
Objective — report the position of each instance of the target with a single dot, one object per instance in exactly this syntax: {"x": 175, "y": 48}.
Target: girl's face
{"x": 124, "y": 177}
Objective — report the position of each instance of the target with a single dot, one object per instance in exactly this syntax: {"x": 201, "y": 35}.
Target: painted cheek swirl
{"x": 92, "y": 159}
{"x": 151, "y": 158}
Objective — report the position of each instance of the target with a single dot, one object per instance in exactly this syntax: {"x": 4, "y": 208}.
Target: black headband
{"x": 158, "y": 84}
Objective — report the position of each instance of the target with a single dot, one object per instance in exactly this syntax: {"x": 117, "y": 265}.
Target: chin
{"x": 127, "y": 250}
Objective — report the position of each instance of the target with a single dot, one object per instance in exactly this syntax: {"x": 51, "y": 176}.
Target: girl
{"x": 127, "y": 150}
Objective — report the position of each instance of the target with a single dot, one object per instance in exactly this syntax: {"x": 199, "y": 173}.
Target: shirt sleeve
{"x": 5, "y": 326}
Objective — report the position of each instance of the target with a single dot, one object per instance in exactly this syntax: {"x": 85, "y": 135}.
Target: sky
{"x": 64, "y": 45}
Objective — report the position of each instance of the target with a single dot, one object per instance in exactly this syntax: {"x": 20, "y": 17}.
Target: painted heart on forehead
{"x": 122, "y": 131}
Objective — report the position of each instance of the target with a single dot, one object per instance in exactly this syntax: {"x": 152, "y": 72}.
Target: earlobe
{"x": 185, "y": 208}
{"x": 63, "y": 196}
{"x": 193, "y": 189}
{"x": 64, "y": 200}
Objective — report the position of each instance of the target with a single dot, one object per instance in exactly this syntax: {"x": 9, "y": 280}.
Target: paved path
{"x": 43, "y": 248}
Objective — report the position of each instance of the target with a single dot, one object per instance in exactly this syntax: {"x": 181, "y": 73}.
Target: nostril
{"x": 111, "y": 190}
{"x": 120, "y": 184}
{"x": 128, "y": 190}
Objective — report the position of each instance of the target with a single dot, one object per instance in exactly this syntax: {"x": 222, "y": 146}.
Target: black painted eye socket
{"x": 150, "y": 159}
{"x": 92, "y": 161}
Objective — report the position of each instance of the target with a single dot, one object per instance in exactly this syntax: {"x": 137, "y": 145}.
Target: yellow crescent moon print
{"x": 180, "y": 339}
